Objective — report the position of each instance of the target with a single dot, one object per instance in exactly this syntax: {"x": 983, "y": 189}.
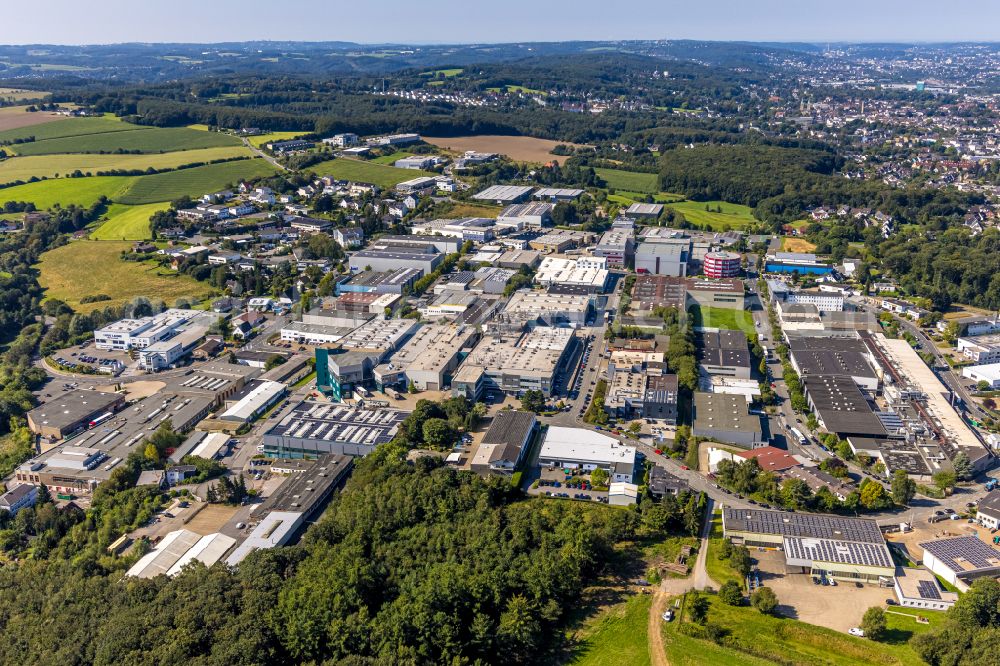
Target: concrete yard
{"x": 838, "y": 608}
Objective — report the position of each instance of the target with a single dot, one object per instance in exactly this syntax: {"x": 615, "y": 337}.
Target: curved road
{"x": 260, "y": 153}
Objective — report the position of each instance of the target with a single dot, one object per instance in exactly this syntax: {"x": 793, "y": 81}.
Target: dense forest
{"x": 413, "y": 563}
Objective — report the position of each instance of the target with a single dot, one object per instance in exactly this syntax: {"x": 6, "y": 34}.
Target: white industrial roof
{"x": 253, "y": 401}
{"x": 577, "y": 444}
{"x": 274, "y": 530}
{"x": 210, "y": 446}
{"x": 208, "y": 550}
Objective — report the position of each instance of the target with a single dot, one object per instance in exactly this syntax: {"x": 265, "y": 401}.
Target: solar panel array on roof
{"x": 962, "y": 554}
{"x": 841, "y": 552}
{"x": 928, "y": 589}
{"x": 817, "y": 526}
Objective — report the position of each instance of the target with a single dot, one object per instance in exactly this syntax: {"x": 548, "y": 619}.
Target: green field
{"x": 733, "y": 216}
{"x": 389, "y": 160}
{"x": 64, "y": 191}
{"x": 618, "y": 636}
{"x": 384, "y": 176}
{"x": 70, "y": 127}
{"x": 51, "y": 166}
{"x": 725, "y": 318}
{"x": 520, "y": 89}
{"x": 127, "y": 222}
{"x": 447, "y": 73}
{"x": 193, "y": 182}
{"x": 150, "y": 140}
{"x": 19, "y": 94}
{"x": 88, "y": 268}
{"x": 259, "y": 140}
{"x": 632, "y": 181}
{"x": 754, "y": 638}
{"x": 718, "y": 570}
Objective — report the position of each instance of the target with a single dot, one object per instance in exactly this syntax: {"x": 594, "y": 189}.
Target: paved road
{"x": 260, "y": 153}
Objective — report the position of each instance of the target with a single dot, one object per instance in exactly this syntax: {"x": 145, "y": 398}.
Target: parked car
{"x": 856, "y": 631}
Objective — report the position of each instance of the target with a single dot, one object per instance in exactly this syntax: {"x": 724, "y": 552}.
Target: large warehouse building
{"x": 848, "y": 549}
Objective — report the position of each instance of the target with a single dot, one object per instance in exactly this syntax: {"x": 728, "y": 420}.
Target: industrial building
{"x": 989, "y": 373}
{"x": 802, "y": 263}
{"x": 576, "y": 448}
{"x": 568, "y": 272}
{"x": 810, "y": 358}
{"x": 313, "y": 429}
{"x": 726, "y": 418}
{"x": 140, "y": 333}
{"x": 659, "y": 291}
{"x": 724, "y": 353}
{"x": 475, "y": 229}
{"x": 722, "y": 293}
{"x": 845, "y": 549}
{"x": 663, "y": 257}
{"x": 647, "y": 210}
{"x": 841, "y": 407}
{"x": 617, "y": 245}
{"x": 70, "y": 412}
{"x": 717, "y": 265}
{"x": 428, "y": 359}
{"x": 557, "y": 194}
{"x": 504, "y": 195}
{"x": 179, "y": 548}
{"x": 526, "y": 216}
{"x": 546, "y": 308}
{"x": 505, "y": 444}
{"x": 19, "y": 497}
{"x": 394, "y": 281}
{"x": 919, "y": 588}
{"x": 389, "y": 255}
{"x": 301, "y": 497}
{"x": 560, "y": 240}
{"x": 980, "y": 349}
{"x": 513, "y": 362}
{"x": 961, "y": 560}
{"x": 254, "y": 403}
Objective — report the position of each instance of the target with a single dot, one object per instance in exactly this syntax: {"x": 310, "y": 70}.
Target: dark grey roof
{"x": 841, "y": 405}
{"x": 304, "y": 490}
{"x": 990, "y": 505}
{"x": 964, "y": 554}
{"x": 724, "y": 339}
{"x": 726, "y": 358}
{"x": 840, "y": 552}
{"x": 661, "y": 481}
{"x": 825, "y": 343}
{"x": 808, "y": 525}
{"x": 510, "y": 427}
{"x": 829, "y": 362}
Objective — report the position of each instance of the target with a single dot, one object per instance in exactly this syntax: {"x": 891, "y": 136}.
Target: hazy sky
{"x": 464, "y": 21}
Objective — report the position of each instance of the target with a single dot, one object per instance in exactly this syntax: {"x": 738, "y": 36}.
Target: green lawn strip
{"x": 707, "y": 316}
{"x": 733, "y": 216}
{"x": 718, "y": 570}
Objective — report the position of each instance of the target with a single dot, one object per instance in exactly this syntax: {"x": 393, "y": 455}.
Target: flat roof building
{"x": 546, "y": 308}
{"x": 850, "y": 364}
{"x": 961, "y": 560}
{"x": 313, "y": 429}
{"x": 847, "y": 549}
{"x": 429, "y": 357}
{"x": 919, "y": 588}
{"x": 563, "y": 271}
{"x": 527, "y": 215}
{"x": 726, "y": 418}
{"x": 557, "y": 194}
{"x": 617, "y": 245}
{"x": 663, "y": 258}
{"x": 644, "y": 210}
{"x": 513, "y": 363}
{"x": 504, "y": 195}
{"x": 67, "y": 413}
{"x": 578, "y": 448}
{"x": 255, "y": 402}
{"x": 841, "y": 407}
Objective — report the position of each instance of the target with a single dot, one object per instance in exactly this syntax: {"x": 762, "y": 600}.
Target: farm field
{"x": 259, "y": 140}
{"x": 447, "y": 73}
{"x": 733, "y": 216}
{"x": 15, "y": 117}
{"x": 389, "y": 160}
{"x": 152, "y": 140}
{"x": 89, "y": 268}
{"x": 631, "y": 181}
{"x": 520, "y": 148}
{"x": 69, "y": 127}
{"x": 52, "y": 166}
{"x": 755, "y": 638}
{"x": 64, "y": 191}
{"x": 194, "y": 182}
{"x": 790, "y": 244}
{"x": 520, "y": 89}
{"x": 724, "y": 318}
{"x": 19, "y": 94}
{"x": 384, "y": 176}
{"x": 617, "y": 636}
{"x": 127, "y": 222}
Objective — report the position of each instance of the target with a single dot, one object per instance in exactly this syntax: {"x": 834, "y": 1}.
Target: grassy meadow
{"x": 384, "y": 176}
{"x": 630, "y": 181}
{"x": 64, "y": 191}
{"x": 53, "y": 166}
{"x": 70, "y": 127}
{"x": 193, "y": 182}
{"x": 89, "y": 268}
{"x": 147, "y": 140}
{"x": 130, "y": 223}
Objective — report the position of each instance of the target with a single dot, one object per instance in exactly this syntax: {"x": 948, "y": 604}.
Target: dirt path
{"x": 657, "y": 652}
{"x": 701, "y": 577}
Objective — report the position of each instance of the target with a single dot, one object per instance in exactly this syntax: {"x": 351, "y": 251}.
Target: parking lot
{"x": 86, "y": 359}
{"x": 837, "y": 607}
{"x": 555, "y": 482}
